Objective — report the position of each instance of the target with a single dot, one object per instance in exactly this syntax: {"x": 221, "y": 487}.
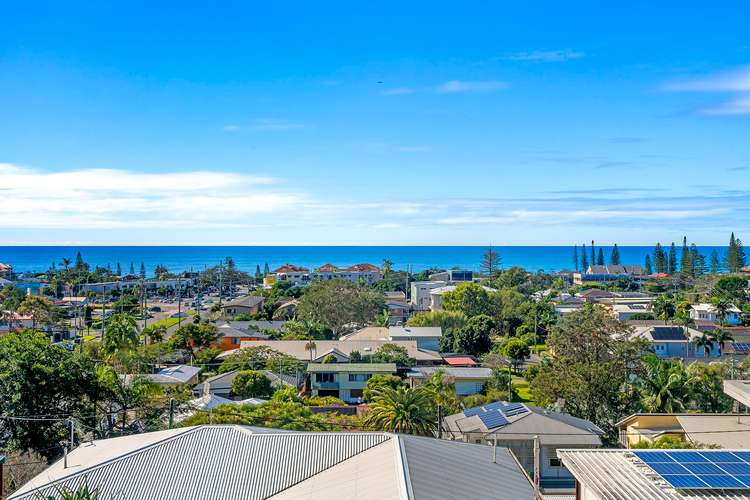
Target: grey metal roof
{"x": 215, "y": 462}
{"x": 244, "y": 301}
{"x": 451, "y": 371}
{"x": 455, "y": 470}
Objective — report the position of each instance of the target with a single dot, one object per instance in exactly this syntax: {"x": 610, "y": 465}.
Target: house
{"x": 13, "y": 320}
{"x": 722, "y": 430}
{"x": 624, "y": 312}
{"x": 231, "y": 462}
{"x": 345, "y": 381}
{"x": 6, "y": 271}
{"x": 398, "y": 309}
{"x": 247, "y": 304}
{"x": 298, "y": 275}
{"x": 467, "y": 381}
{"x": 710, "y": 313}
{"x": 645, "y": 474}
{"x": 220, "y": 385}
{"x": 669, "y": 341}
{"x": 426, "y": 337}
{"x": 594, "y": 295}
{"x": 532, "y": 434}
{"x": 231, "y": 337}
{"x": 174, "y": 375}
{"x": 605, "y": 274}
{"x": 436, "y": 295}
{"x": 453, "y": 276}
{"x": 739, "y": 390}
{"x": 459, "y": 360}
{"x": 419, "y": 299}
{"x": 316, "y": 351}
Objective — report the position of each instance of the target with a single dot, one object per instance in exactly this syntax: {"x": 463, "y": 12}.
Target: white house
{"x": 420, "y": 294}
{"x": 709, "y": 312}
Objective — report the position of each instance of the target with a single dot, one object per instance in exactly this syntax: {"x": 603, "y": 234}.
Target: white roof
{"x": 415, "y": 331}
{"x": 712, "y": 309}
{"x": 619, "y": 475}
{"x": 180, "y": 374}
{"x": 230, "y": 462}
{"x": 297, "y": 349}
{"x": 450, "y": 288}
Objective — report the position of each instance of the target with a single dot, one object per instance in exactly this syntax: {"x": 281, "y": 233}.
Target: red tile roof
{"x": 289, "y": 268}
{"x": 362, "y": 268}
{"x": 327, "y": 268}
{"x": 5, "y": 267}
{"x": 460, "y": 361}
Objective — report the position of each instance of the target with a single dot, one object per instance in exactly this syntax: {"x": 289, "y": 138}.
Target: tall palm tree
{"x": 663, "y": 386}
{"x": 121, "y": 332}
{"x": 722, "y": 305}
{"x": 706, "y": 342}
{"x": 403, "y": 410}
{"x": 310, "y": 347}
{"x": 664, "y": 308}
{"x": 721, "y": 337}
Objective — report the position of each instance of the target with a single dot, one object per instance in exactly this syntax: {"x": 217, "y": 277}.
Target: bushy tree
{"x": 121, "y": 333}
{"x": 259, "y": 358}
{"x": 403, "y": 410}
{"x": 193, "y": 337}
{"x": 393, "y": 353}
{"x": 338, "y": 304}
{"x": 251, "y": 384}
{"x": 470, "y": 299}
{"x": 379, "y": 382}
{"x": 475, "y": 336}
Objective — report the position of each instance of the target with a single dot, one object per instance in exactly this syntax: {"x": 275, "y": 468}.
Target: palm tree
{"x": 121, "y": 332}
{"x": 721, "y": 337}
{"x": 310, "y": 347}
{"x": 662, "y": 387}
{"x": 403, "y": 410}
{"x": 722, "y": 305}
{"x": 40, "y": 309}
{"x": 685, "y": 321}
{"x": 664, "y": 308}
{"x": 706, "y": 342}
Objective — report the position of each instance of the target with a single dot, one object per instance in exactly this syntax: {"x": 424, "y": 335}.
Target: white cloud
{"x": 457, "y": 86}
{"x": 546, "y": 55}
{"x": 231, "y": 128}
{"x": 734, "y": 81}
{"x": 398, "y": 91}
{"x": 735, "y": 107}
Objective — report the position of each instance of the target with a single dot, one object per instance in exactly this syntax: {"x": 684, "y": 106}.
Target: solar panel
{"x": 470, "y": 412}
{"x": 493, "y": 419}
{"x": 741, "y": 347}
{"x": 497, "y": 405}
{"x": 705, "y": 469}
{"x": 667, "y": 333}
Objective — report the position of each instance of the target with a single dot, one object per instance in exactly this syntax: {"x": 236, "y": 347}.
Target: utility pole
{"x": 179, "y": 303}
{"x": 72, "y": 432}
{"x": 171, "y": 412}
{"x": 440, "y": 421}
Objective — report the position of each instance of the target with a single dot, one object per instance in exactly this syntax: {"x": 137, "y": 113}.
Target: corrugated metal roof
{"x": 216, "y": 462}
{"x": 450, "y": 469}
{"x": 617, "y": 475}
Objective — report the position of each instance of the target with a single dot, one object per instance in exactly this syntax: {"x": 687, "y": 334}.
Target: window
{"x": 555, "y": 462}
{"x": 324, "y": 377}
{"x": 359, "y": 377}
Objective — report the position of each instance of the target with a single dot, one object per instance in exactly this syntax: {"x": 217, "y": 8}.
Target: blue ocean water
{"x": 417, "y": 258}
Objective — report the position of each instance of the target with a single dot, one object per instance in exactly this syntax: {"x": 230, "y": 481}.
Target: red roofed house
{"x": 301, "y": 275}
{"x": 293, "y": 274}
{"x": 6, "y": 271}
{"x": 463, "y": 361}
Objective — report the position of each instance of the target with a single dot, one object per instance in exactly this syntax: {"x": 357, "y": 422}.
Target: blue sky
{"x": 427, "y": 123}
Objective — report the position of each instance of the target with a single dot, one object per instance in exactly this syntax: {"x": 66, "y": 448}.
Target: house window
{"x": 555, "y": 462}
{"x": 356, "y": 393}
{"x": 324, "y": 377}
{"x": 359, "y": 377}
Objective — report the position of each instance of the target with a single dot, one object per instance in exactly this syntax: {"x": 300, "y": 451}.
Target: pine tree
{"x": 686, "y": 266}
{"x": 593, "y": 253}
{"x": 575, "y": 257}
{"x": 79, "y": 261}
{"x": 715, "y": 263}
{"x": 735, "y": 259}
{"x": 697, "y": 261}
{"x": 119, "y": 269}
{"x": 614, "y": 259}
{"x": 132, "y": 269}
{"x": 584, "y": 259}
{"x": 647, "y": 265}
{"x": 491, "y": 262}
{"x": 258, "y": 276}
{"x": 660, "y": 262}
{"x": 143, "y": 270}
{"x": 266, "y": 271}
{"x": 600, "y": 257}
{"x": 672, "y": 261}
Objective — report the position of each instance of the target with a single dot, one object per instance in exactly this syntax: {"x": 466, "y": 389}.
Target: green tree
{"x": 663, "y": 385}
{"x": 393, "y": 353}
{"x": 155, "y": 332}
{"x": 517, "y": 351}
{"x": 275, "y": 415}
{"x": 648, "y": 269}
{"x": 475, "y": 336}
{"x": 660, "y": 260}
{"x": 379, "y": 382}
{"x": 715, "y": 263}
{"x": 446, "y": 320}
{"x": 576, "y": 262}
{"x": 10, "y": 299}
{"x": 584, "y": 259}
{"x": 664, "y": 308}
{"x": 705, "y": 381}
{"x": 441, "y": 391}
{"x": 686, "y": 261}
{"x": 491, "y": 262}
{"x": 735, "y": 258}
{"x": 589, "y": 367}
{"x": 41, "y": 310}
{"x": 683, "y": 319}
{"x": 121, "y": 395}
{"x": 731, "y": 287}
{"x": 121, "y": 333}
{"x": 338, "y": 304}
{"x": 37, "y": 378}
{"x": 722, "y": 305}
{"x": 192, "y": 337}
{"x": 706, "y": 342}
{"x": 614, "y": 258}
{"x": 667, "y": 443}
{"x": 469, "y": 298}
{"x": 672, "y": 259}
{"x": 721, "y": 337}
{"x": 403, "y": 410}
{"x": 251, "y": 384}
{"x": 600, "y": 257}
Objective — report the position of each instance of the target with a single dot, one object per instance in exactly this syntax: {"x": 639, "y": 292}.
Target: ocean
{"x": 416, "y": 258}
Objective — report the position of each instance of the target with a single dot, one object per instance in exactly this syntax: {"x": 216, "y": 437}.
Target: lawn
{"x": 522, "y": 389}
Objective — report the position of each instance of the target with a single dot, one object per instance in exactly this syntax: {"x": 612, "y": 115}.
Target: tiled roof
{"x": 289, "y": 268}
{"x": 362, "y": 268}
{"x": 327, "y": 268}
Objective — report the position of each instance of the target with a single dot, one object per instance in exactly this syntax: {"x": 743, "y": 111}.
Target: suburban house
{"x": 221, "y": 385}
{"x": 624, "y": 312}
{"x": 426, "y": 337}
{"x": 345, "y": 381}
{"x": 299, "y": 275}
{"x": 6, "y": 271}
{"x": 232, "y": 337}
{"x": 231, "y": 462}
{"x": 710, "y": 313}
{"x": 453, "y": 276}
{"x": 459, "y": 360}
{"x": 342, "y": 350}
{"x": 723, "y": 430}
{"x": 645, "y": 474}
{"x": 436, "y": 295}
{"x": 532, "y": 434}
{"x": 669, "y": 341}
{"x": 739, "y": 390}
{"x": 173, "y": 375}
{"x": 247, "y": 304}
{"x": 398, "y": 308}
{"x": 419, "y": 299}
{"x": 604, "y": 274}
{"x": 466, "y": 380}
{"x": 15, "y": 321}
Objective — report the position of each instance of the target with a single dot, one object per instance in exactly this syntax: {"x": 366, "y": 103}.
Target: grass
{"x": 88, "y": 338}
{"x": 522, "y": 389}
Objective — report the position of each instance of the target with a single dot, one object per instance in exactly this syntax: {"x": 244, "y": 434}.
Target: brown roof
{"x": 5, "y": 267}
{"x": 363, "y": 268}
{"x": 327, "y": 268}
{"x": 289, "y": 268}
